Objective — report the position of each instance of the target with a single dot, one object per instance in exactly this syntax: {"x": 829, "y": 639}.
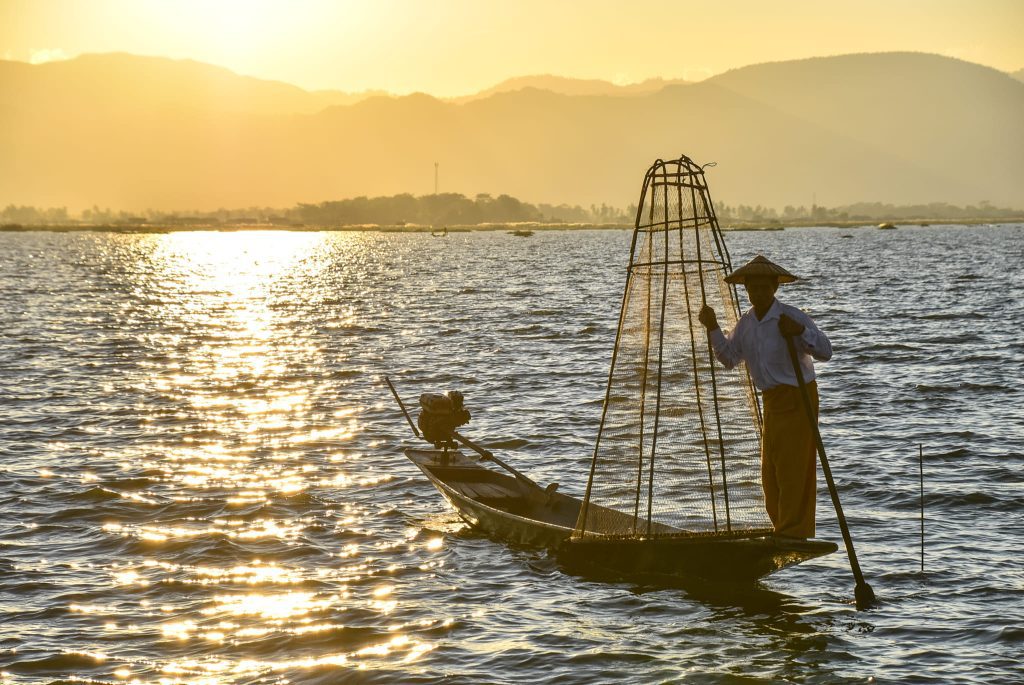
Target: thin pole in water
{"x": 920, "y": 463}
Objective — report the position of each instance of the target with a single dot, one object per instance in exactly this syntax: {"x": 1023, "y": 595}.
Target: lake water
{"x": 203, "y": 479}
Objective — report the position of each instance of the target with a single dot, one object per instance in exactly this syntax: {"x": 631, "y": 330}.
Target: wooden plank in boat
{"x": 492, "y": 491}
{"x": 468, "y": 490}
{"x": 484, "y": 491}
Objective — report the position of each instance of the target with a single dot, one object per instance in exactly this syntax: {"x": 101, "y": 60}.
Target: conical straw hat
{"x": 760, "y": 266}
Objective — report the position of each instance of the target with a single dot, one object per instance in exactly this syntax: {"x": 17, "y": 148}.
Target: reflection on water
{"x": 202, "y": 478}
{"x": 246, "y": 367}
{"x": 202, "y": 521}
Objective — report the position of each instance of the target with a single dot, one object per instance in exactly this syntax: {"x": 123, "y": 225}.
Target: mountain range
{"x": 136, "y": 132}
{"x": 572, "y": 86}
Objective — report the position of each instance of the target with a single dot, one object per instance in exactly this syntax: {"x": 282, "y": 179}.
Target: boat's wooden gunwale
{"x": 484, "y": 514}
{"x": 456, "y": 494}
{"x": 463, "y": 464}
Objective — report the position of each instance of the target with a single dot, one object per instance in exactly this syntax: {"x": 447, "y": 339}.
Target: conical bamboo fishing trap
{"x": 678, "y": 449}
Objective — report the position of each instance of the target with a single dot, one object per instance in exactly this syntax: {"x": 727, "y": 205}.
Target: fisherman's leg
{"x": 797, "y": 472}
{"x": 769, "y": 483}
{"x": 769, "y": 460}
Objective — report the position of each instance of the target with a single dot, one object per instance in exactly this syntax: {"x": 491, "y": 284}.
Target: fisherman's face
{"x": 761, "y": 291}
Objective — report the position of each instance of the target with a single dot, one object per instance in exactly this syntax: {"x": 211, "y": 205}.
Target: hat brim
{"x": 738, "y": 278}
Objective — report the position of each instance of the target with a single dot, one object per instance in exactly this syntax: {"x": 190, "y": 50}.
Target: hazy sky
{"x": 454, "y": 47}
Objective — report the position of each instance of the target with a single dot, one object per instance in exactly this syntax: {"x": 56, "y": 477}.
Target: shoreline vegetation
{"x": 454, "y": 212}
{"x": 519, "y": 227}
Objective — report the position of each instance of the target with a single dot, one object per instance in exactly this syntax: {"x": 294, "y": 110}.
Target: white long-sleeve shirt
{"x": 760, "y": 344}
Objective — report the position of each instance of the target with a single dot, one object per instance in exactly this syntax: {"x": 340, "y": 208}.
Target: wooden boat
{"x": 674, "y": 482}
{"x": 505, "y": 508}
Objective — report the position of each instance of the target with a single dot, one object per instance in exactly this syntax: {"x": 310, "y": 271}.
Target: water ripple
{"x": 203, "y": 478}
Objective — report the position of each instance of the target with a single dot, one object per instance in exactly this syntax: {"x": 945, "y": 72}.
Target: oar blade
{"x": 864, "y": 596}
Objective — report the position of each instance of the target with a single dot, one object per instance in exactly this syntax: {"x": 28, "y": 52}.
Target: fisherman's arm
{"x": 727, "y": 348}
{"x": 810, "y": 339}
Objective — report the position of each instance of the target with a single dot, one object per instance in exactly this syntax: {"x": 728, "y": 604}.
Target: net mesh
{"x": 678, "y": 450}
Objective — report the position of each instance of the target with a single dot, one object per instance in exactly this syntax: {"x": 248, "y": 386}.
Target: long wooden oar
{"x": 401, "y": 405}
{"x": 488, "y": 455}
{"x": 863, "y": 593}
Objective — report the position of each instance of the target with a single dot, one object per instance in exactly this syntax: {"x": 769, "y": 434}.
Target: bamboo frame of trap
{"x": 678, "y": 448}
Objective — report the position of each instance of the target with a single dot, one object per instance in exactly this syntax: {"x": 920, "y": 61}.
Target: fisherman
{"x": 788, "y": 449}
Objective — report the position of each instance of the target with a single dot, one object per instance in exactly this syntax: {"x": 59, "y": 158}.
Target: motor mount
{"x": 440, "y": 415}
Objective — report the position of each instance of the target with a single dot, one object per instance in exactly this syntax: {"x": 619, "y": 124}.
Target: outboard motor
{"x": 440, "y": 415}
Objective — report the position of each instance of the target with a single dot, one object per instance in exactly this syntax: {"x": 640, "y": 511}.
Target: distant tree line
{"x": 429, "y": 210}
{"x": 30, "y": 215}
{"x": 449, "y": 209}
{"x": 864, "y": 211}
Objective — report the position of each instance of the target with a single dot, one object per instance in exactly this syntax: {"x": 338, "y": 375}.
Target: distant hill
{"x": 142, "y": 133}
{"x": 1019, "y": 74}
{"x": 956, "y": 122}
{"x": 571, "y": 86}
{"x": 101, "y": 82}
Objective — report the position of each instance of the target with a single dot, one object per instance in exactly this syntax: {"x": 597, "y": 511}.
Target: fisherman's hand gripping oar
{"x": 863, "y": 593}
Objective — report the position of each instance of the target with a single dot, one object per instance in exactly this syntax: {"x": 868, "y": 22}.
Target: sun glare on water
{"x": 234, "y": 362}
{"x": 237, "y": 355}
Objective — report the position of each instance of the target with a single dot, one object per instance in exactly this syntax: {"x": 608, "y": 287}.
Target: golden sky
{"x": 456, "y": 47}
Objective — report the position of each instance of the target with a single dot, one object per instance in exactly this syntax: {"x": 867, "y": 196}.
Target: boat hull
{"x": 506, "y": 508}
{"x": 712, "y": 558}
